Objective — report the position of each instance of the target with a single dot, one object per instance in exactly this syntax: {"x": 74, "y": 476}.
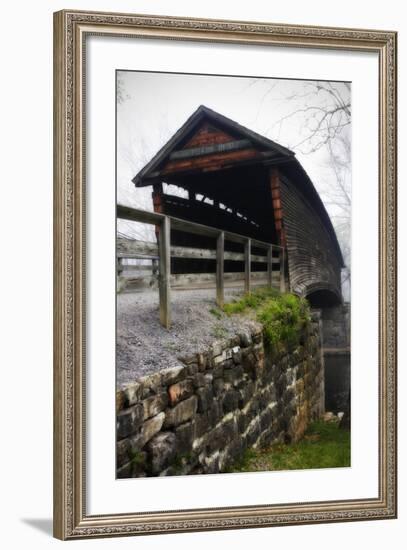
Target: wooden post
{"x": 220, "y": 253}
{"x": 282, "y": 270}
{"x": 119, "y": 266}
{"x": 247, "y": 254}
{"x": 164, "y": 272}
{"x": 270, "y": 265}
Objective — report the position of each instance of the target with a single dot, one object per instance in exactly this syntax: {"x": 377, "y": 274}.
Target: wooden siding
{"x": 215, "y": 161}
{"x": 207, "y": 134}
{"x": 312, "y": 259}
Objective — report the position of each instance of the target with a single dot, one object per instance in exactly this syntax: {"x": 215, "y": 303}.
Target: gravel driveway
{"x": 144, "y": 346}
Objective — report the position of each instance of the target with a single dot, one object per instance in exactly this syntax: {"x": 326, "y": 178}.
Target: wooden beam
{"x": 282, "y": 270}
{"x": 247, "y": 267}
{"x": 137, "y": 215}
{"x": 164, "y": 272}
{"x": 270, "y": 265}
{"x": 220, "y": 249}
{"x": 202, "y": 280}
{"x": 134, "y": 214}
{"x": 210, "y": 149}
{"x": 129, "y": 248}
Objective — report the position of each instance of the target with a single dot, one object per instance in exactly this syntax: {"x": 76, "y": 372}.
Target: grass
{"x": 215, "y": 312}
{"x": 324, "y": 445}
{"x": 283, "y": 316}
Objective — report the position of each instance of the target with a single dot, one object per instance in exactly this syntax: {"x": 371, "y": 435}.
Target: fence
{"x": 164, "y": 251}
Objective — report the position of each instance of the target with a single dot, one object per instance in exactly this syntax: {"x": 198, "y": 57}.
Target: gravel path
{"x": 144, "y": 346}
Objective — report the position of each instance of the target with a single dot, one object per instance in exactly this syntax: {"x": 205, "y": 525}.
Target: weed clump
{"x": 283, "y": 316}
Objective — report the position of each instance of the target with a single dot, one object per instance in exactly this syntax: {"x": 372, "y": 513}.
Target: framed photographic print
{"x": 225, "y": 274}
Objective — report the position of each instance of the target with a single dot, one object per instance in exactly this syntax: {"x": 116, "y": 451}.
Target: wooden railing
{"x": 163, "y": 252}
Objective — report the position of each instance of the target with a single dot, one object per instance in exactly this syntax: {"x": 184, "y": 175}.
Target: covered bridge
{"x": 236, "y": 180}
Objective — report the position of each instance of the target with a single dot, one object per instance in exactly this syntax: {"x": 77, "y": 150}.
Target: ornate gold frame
{"x": 70, "y": 31}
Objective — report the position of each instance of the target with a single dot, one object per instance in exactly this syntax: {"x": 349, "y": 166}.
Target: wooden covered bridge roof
{"x": 214, "y": 156}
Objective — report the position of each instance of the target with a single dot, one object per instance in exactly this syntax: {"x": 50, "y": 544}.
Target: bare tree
{"x": 322, "y": 111}
{"x": 325, "y": 111}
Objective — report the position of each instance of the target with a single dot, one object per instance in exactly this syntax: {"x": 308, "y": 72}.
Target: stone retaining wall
{"x": 201, "y": 416}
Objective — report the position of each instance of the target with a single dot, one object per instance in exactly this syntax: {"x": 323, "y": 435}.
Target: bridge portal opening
{"x": 321, "y": 299}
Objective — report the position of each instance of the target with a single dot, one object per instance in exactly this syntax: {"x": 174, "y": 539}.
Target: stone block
{"x": 266, "y": 420}
{"x": 192, "y": 369}
{"x": 218, "y": 386}
{"x": 120, "y": 400}
{"x": 249, "y": 364}
{"x": 243, "y": 420}
{"x": 246, "y": 393}
{"x": 129, "y": 421}
{"x": 155, "y": 404}
{"x": 236, "y": 355}
{"x": 122, "y": 454}
{"x": 180, "y": 391}
{"x": 214, "y": 413}
{"x": 202, "y": 425}
{"x": 199, "y": 380}
{"x": 267, "y": 396}
{"x": 245, "y": 339}
{"x": 228, "y": 364}
{"x": 221, "y": 435}
{"x": 152, "y": 427}
{"x": 133, "y": 393}
{"x": 252, "y": 433}
{"x": 139, "y": 464}
{"x": 211, "y": 463}
{"x": 208, "y": 379}
{"x": 124, "y": 471}
{"x": 162, "y": 449}
{"x": 205, "y": 398}
{"x": 233, "y": 452}
{"x": 217, "y": 348}
{"x": 230, "y": 401}
{"x": 202, "y": 361}
{"x": 182, "y": 412}
{"x": 126, "y": 448}
{"x": 219, "y": 359}
{"x": 173, "y": 375}
{"x": 217, "y": 371}
{"x": 151, "y": 383}
{"x": 189, "y": 359}
{"x": 281, "y": 384}
{"x": 185, "y": 435}
{"x": 233, "y": 375}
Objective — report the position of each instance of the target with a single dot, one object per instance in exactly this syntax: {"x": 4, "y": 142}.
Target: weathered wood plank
{"x": 137, "y": 215}
{"x": 209, "y": 149}
{"x": 206, "y": 135}
{"x": 270, "y": 265}
{"x": 137, "y": 267}
{"x": 214, "y": 160}
{"x": 220, "y": 251}
{"x": 165, "y": 272}
{"x": 143, "y": 249}
{"x": 282, "y": 270}
{"x": 247, "y": 266}
{"x": 201, "y": 280}
{"x": 134, "y": 214}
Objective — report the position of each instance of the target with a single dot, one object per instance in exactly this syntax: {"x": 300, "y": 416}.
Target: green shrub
{"x": 283, "y": 319}
{"x": 252, "y": 300}
{"x": 283, "y": 316}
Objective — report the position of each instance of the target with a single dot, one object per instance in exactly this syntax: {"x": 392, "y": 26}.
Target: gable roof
{"x": 192, "y": 123}
{"x": 285, "y": 156}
